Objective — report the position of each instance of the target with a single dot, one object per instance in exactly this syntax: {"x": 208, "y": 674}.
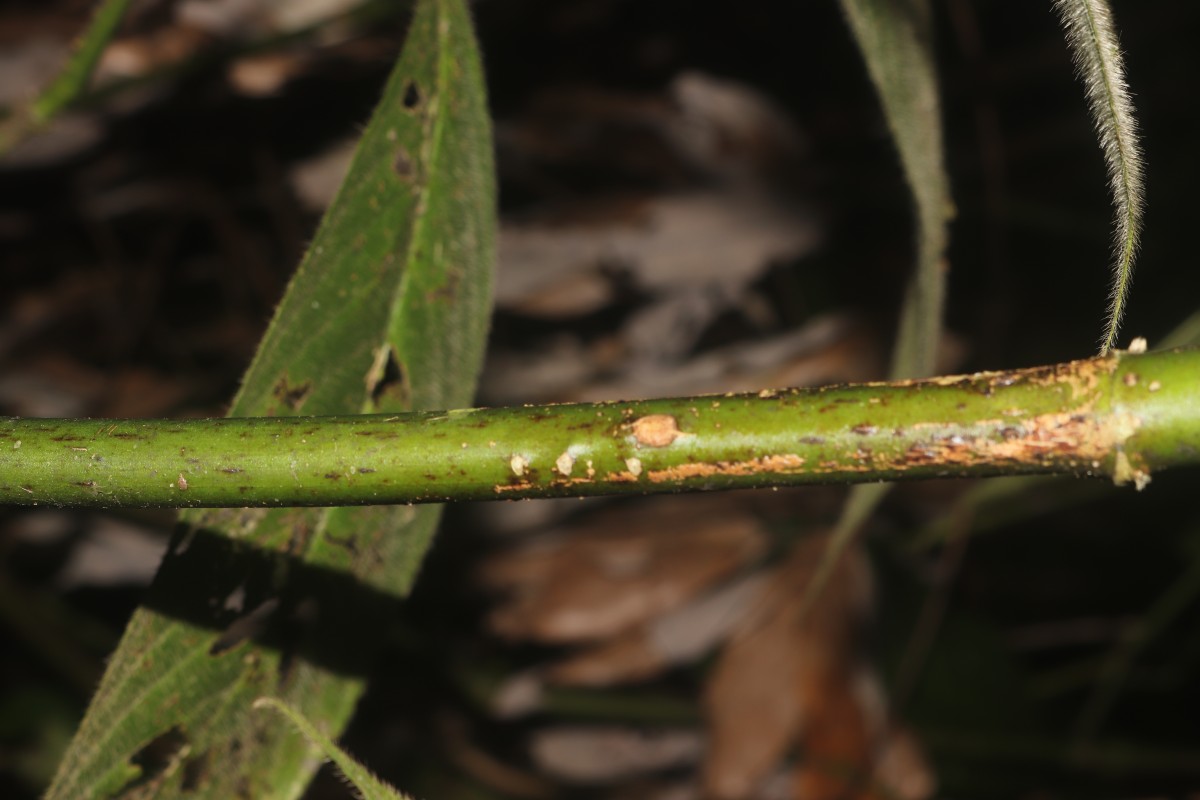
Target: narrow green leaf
{"x": 1097, "y": 54}
{"x": 1185, "y": 334}
{"x": 72, "y": 81}
{"x": 896, "y": 40}
{"x": 387, "y": 312}
{"x": 369, "y": 786}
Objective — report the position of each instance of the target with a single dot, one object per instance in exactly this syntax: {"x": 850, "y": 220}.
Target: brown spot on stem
{"x": 785, "y": 464}
{"x": 517, "y": 486}
{"x": 1046, "y": 439}
{"x": 656, "y": 430}
{"x": 620, "y": 477}
{"x": 1125, "y": 472}
{"x": 1083, "y": 377}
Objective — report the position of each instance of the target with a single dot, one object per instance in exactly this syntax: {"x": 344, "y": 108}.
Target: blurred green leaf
{"x": 387, "y": 312}
{"x": 72, "y": 81}
{"x": 36, "y": 722}
{"x": 896, "y": 40}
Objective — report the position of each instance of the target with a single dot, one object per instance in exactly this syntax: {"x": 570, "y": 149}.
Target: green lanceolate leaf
{"x": 1097, "y": 54}
{"x": 368, "y": 785}
{"x": 387, "y": 312}
{"x": 896, "y": 40}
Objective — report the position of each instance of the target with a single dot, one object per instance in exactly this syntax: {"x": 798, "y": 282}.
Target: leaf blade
{"x": 415, "y": 216}
{"x": 1096, "y": 51}
{"x": 896, "y": 41}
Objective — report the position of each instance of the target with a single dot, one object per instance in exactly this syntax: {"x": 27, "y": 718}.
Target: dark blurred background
{"x": 695, "y": 196}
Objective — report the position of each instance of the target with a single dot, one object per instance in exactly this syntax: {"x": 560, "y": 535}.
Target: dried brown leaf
{"x": 142, "y": 55}
{"x": 902, "y": 768}
{"x": 631, "y": 656}
{"x": 753, "y": 715}
{"x": 594, "y": 754}
{"x": 619, "y": 568}
{"x": 677, "y": 637}
{"x": 843, "y": 724}
{"x": 793, "y": 677}
{"x": 731, "y": 130}
{"x": 719, "y": 237}
{"x": 834, "y": 348}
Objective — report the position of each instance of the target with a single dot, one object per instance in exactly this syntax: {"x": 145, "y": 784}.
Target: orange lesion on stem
{"x": 655, "y": 430}
{"x": 781, "y": 464}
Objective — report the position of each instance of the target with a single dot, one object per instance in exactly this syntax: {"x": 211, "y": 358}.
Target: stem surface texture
{"x": 1121, "y": 415}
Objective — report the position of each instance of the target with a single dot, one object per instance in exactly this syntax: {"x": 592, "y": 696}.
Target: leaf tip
{"x": 1092, "y": 37}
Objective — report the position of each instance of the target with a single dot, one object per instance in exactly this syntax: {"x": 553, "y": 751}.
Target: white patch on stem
{"x": 518, "y": 464}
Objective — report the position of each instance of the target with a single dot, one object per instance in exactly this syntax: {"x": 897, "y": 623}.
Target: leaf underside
{"x": 387, "y": 312}
{"x": 1096, "y": 51}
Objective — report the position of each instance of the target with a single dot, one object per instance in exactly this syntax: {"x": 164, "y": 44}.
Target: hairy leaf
{"x": 387, "y": 312}
{"x": 368, "y": 785}
{"x": 1097, "y": 54}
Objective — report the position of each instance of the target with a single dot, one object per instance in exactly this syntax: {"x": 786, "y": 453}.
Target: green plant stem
{"x": 1120, "y": 415}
